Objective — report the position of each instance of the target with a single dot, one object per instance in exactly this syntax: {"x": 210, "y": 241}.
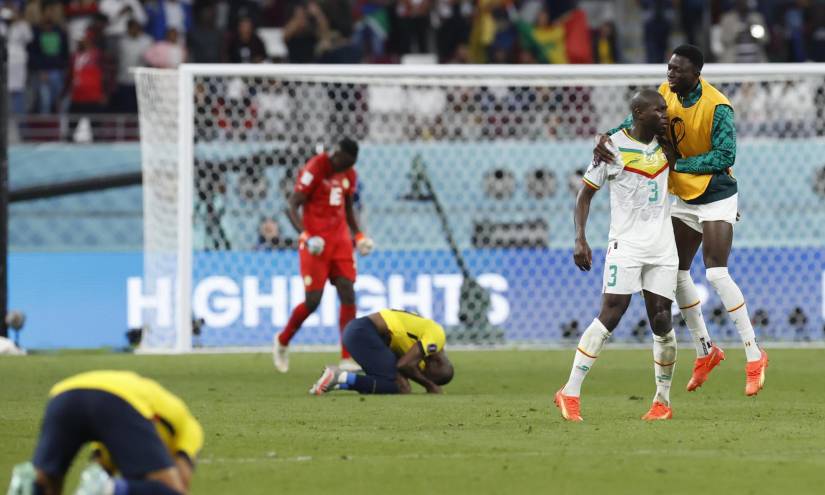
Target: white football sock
{"x": 664, "y": 364}
{"x": 691, "y": 307}
{"x": 590, "y": 345}
{"x": 734, "y": 302}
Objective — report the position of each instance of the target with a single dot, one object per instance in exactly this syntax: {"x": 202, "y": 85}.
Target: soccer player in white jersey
{"x": 641, "y": 252}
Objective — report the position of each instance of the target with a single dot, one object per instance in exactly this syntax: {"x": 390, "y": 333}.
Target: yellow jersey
{"x": 176, "y": 426}
{"x": 406, "y": 329}
{"x": 690, "y": 130}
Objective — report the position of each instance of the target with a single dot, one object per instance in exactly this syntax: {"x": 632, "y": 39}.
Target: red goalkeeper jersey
{"x": 326, "y": 191}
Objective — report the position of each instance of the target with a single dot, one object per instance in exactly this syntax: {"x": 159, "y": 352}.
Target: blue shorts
{"x": 78, "y": 416}
{"x": 366, "y": 346}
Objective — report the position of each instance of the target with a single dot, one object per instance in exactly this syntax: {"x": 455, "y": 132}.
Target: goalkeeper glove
{"x": 314, "y": 244}
{"x": 364, "y": 244}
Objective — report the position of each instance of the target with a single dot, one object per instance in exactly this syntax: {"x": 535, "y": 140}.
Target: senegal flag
{"x": 547, "y": 43}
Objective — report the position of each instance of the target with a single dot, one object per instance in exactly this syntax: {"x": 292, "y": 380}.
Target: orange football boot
{"x": 568, "y": 405}
{"x": 755, "y": 374}
{"x": 658, "y": 411}
{"x": 703, "y": 366}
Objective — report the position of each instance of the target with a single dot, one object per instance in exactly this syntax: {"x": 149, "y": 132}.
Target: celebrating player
{"x": 702, "y": 129}
{"x": 146, "y": 434}
{"x": 324, "y": 191}
{"x": 641, "y": 253}
{"x": 392, "y": 347}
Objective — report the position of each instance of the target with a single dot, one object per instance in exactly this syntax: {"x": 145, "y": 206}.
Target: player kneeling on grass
{"x": 392, "y": 348}
{"x": 146, "y": 435}
{"x": 641, "y": 253}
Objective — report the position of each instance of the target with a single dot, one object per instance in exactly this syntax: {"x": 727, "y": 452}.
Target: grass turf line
{"x": 496, "y": 430}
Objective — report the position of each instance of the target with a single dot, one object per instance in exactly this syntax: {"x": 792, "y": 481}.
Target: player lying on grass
{"x": 145, "y": 433}
{"x": 702, "y": 129}
{"x": 392, "y": 348}
{"x": 641, "y": 252}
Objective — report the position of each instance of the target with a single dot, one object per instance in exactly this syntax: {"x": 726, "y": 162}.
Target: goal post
{"x": 467, "y": 177}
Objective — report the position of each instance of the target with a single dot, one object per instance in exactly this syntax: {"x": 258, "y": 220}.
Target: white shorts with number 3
{"x": 627, "y": 274}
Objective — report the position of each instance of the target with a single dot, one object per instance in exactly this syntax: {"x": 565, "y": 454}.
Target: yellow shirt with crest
{"x": 407, "y": 329}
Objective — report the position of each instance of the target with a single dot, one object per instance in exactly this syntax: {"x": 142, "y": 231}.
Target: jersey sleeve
{"x": 309, "y": 177}
{"x": 433, "y": 339}
{"x": 188, "y": 433}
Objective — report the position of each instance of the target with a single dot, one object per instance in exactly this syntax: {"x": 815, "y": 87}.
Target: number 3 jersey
{"x": 640, "y": 224}
{"x": 324, "y": 211}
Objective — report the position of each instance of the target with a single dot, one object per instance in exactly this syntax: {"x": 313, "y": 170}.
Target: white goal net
{"x": 467, "y": 176}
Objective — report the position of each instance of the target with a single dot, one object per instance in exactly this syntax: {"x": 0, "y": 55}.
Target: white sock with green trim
{"x": 664, "y": 364}
{"x": 590, "y": 345}
{"x": 687, "y": 297}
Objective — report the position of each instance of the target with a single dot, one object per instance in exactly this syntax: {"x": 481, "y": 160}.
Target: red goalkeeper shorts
{"x": 337, "y": 260}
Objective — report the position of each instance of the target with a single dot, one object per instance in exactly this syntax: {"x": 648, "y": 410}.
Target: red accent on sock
{"x": 346, "y": 315}
{"x": 296, "y": 319}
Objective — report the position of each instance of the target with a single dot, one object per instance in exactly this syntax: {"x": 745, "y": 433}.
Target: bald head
{"x": 649, "y": 111}
{"x": 645, "y": 98}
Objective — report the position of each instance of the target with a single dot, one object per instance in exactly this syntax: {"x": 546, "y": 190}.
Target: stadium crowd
{"x": 74, "y": 55}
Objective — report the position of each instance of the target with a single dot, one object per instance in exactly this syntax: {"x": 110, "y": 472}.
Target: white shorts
{"x": 693, "y": 215}
{"x": 625, "y": 274}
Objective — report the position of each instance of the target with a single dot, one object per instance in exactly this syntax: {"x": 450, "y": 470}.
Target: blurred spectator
{"x": 85, "y": 83}
{"x": 795, "y": 31}
{"x": 453, "y": 22}
{"x": 692, "y": 14}
{"x": 205, "y": 41}
{"x": 246, "y": 46}
{"x": 657, "y": 18}
{"x": 301, "y": 32}
{"x": 48, "y": 59}
{"x": 18, "y": 34}
{"x": 269, "y": 236}
{"x": 577, "y": 36}
{"x": 336, "y": 28}
{"x": 131, "y": 51}
{"x": 373, "y": 28}
{"x": 413, "y": 25}
{"x": 167, "y": 53}
{"x": 165, "y": 15}
{"x": 816, "y": 41}
{"x": 239, "y": 9}
{"x": 545, "y": 40}
{"x": 119, "y": 12}
{"x": 79, "y": 14}
{"x": 606, "y": 44}
{"x": 743, "y": 34}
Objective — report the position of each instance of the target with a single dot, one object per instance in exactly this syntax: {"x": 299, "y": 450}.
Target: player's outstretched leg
{"x": 734, "y": 301}
{"x": 590, "y": 345}
{"x": 718, "y": 242}
{"x": 708, "y": 355}
{"x": 280, "y": 342}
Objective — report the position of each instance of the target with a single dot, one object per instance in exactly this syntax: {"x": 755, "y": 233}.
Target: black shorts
{"x": 76, "y": 417}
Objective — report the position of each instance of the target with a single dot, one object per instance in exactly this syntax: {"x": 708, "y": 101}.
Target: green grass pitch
{"x": 495, "y": 431}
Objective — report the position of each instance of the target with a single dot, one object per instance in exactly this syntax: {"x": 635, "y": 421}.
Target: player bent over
{"x": 392, "y": 348}
{"x": 146, "y": 434}
{"x": 324, "y": 191}
{"x": 641, "y": 253}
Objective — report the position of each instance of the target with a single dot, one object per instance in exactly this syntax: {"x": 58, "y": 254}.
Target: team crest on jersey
{"x": 431, "y": 348}
{"x": 345, "y": 183}
{"x": 307, "y": 280}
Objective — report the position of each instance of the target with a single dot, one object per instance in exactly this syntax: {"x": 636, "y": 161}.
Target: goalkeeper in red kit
{"x": 321, "y": 209}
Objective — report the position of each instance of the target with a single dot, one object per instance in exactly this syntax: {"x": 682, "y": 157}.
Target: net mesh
{"x": 503, "y": 158}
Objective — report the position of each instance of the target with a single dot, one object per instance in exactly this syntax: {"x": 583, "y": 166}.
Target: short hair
{"x": 444, "y": 376}
{"x": 349, "y": 146}
{"x": 644, "y": 97}
{"x": 692, "y": 53}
